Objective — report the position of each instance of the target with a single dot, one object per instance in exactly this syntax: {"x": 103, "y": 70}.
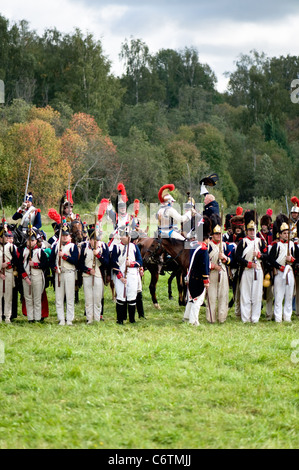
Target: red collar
{"x": 215, "y": 243}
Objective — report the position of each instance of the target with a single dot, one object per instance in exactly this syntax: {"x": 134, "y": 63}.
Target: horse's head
{"x": 19, "y": 237}
{"x": 76, "y": 231}
{"x": 151, "y": 249}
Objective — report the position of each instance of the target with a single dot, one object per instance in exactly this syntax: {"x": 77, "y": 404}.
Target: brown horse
{"x": 154, "y": 255}
{"x": 76, "y": 231}
{"x": 178, "y": 252}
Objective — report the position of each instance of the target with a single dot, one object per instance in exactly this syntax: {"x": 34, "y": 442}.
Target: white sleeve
{"x": 179, "y": 218}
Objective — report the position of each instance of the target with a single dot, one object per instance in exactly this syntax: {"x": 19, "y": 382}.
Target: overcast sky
{"x": 219, "y": 29}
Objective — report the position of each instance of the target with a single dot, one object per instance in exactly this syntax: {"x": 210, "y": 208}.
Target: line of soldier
{"x": 256, "y": 264}
{"x": 238, "y": 260}
{"x": 92, "y": 258}
{"x": 253, "y": 263}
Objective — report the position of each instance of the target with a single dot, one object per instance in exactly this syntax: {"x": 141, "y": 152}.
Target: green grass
{"x": 156, "y": 384}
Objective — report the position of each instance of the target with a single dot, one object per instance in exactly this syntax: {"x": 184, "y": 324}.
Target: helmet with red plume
{"x": 163, "y": 193}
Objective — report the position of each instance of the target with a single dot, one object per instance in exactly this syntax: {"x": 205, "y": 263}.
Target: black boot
{"x": 102, "y": 311}
{"x": 120, "y": 306}
{"x": 132, "y": 308}
{"x": 139, "y": 305}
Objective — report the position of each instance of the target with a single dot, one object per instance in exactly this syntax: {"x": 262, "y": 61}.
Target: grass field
{"x": 156, "y": 384}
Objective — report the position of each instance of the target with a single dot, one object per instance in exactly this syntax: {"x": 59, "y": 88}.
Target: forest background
{"x": 163, "y": 121}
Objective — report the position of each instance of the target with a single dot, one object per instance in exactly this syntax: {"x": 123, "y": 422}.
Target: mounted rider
{"x": 27, "y": 210}
{"x": 168, "y": 217}
{"x": 120, "y": 218}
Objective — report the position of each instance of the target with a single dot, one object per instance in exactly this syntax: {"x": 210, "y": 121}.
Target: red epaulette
{"x": 37, "y": 210}
{"x": 204, "y": 246}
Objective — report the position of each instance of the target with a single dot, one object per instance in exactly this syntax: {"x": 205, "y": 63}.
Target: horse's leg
{"x": 170, "y": 279}
{"x": 180, "y": 284}
{"x": 152, "y": 288}
{"x": 112, "y": 287}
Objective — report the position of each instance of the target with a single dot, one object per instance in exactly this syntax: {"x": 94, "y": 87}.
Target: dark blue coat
{"x": 200, "y": 271}
{"x": 211, "y": 208}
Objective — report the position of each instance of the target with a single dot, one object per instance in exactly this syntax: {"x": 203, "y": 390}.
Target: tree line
{"x": 162, "y": 121}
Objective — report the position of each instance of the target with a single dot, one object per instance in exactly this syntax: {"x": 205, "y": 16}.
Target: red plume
{"x": 53, "y": 214}
{"x": 122, "y": 190}
{"x": 136, "y": 207}
{"x": 171, "y": 187}
{"x": 269, "y": 212}
{"x": 239, "y": 210}
{"x": 69, "y": 196}
{"x": 295, "y": 201}
{"x": 102, "y": 208}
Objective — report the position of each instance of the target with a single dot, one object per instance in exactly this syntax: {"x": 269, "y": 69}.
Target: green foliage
{"x": 248, "y": 135}
{"x": 214, "y": 151}
{"x": 144, "y": 166}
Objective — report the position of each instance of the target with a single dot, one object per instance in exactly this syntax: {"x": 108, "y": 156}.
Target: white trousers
{"x": 93, "y": 297}
{"x": 193, "y": 307}
{"x": 9, "y": 285}
{"x": 251, "y": 294}
{"x": 131, "y": 288}
{"x": 66, "y": 289}
{"x": 174, "y": 234}
{"x": 34, "y": 300}
{"x": 283, "y": 292}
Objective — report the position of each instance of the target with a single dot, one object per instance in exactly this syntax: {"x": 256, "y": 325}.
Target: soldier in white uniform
{"x": 237, "y": 223}
{"x": 66, "y": 207}
{"x": 282, "y": 256}
{"x": 94, "y": 258}
{"x": 168, "y": 218}
{"x": 125, "y": 261}
{"x": 249, "y": 254}
{"x": 219, "y": 255}
{"x": 63, "y": 260}
{"x": 8, "y": 261}
{"x": 120, "y": 217}
{"x": 33, "y": 263}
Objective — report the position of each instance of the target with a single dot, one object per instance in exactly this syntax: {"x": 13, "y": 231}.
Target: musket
{"x": 3, "y": 245}
{"x": 221, "y": 244}
{"x": 254, "y": 244}
{"x": 69, "y": 192}
{"x": 59, "y": 247}
{"x": 209, "y": 306}
{"x": 27, "y": 184}
{"x": 94, "y": 247}
{"x": 287, "y": 206}
{"x": 126, "y": 267}
{"x": 288, "y": 250}
{"x": 190, "y": 194}
{"x": 30, "y": 253}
